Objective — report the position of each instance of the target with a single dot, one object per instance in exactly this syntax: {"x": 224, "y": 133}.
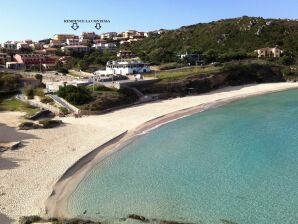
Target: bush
{"x": 29, "y": 91}
{"x": 288, "y": 60}
{"x": 48, "y": 123}
{"x": 103, "y": 88}
{"x": 28, "y": 125}
{"x": 10, "y": 82}
{"x": 75, "y": 95}
{"x": 38, "y": 77}
{"x": 39, "y": 92}
{"x": 29, "y": 219}
{"x": 288, "y": 72}
{"x": 63, "y": 111}
{"x": 46, "y": 99}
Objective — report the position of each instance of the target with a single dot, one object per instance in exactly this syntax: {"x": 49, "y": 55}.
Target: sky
{"x": 39, "y": 19}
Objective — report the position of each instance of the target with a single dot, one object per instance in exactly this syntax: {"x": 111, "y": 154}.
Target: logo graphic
{"x": 75, "y": 22}
{"x": 75, "y": 26}
{"x": 98, "y": 26}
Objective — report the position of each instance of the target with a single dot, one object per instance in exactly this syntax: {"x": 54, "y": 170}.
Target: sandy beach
{"x": 29, "y": 174}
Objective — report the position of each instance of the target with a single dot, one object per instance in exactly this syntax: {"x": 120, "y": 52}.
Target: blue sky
{"x": 37, "y": 19}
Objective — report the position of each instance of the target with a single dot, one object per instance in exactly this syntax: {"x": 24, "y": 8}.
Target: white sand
{"x": 35, "y": 168}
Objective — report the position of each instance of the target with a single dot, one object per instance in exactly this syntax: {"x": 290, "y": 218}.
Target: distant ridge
{"x": 227, "y": 35}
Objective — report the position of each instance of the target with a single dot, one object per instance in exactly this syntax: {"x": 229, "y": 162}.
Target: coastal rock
{"x": 27, "y": 125}
{"x": 9, "y": 145}
{"x": 48, "y": 123}
{"x": 30, "y": 219}
{"x": 225, "y": 221}
{"x": 138, "y": 217}
{"x": 172, "y": 222}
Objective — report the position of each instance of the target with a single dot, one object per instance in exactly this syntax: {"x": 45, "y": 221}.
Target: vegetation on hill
{"x": 221, "y": 40}
{"x": 105, "y": 98}
{"x": 75, "y": 95}
{"x": 189, "y": 81}
{"x": 97, "y": 98}
{"x": 90, "y": 61}
{"x": 13, "y": 104}
{"x": 9, "y": 83}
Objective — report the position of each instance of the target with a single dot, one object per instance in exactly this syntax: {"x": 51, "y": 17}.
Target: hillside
{"x": 239, "y": 36}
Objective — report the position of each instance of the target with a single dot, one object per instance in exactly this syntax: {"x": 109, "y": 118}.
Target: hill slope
{"x": 239, "y": 35}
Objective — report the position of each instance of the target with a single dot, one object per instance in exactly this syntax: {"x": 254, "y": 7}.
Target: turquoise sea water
{"x": 236, "y": 163}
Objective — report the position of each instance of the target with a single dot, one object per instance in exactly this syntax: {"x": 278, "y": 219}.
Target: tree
{"x": 39, "y": 77}
{"x": 61, "y": 68}
{"x": 288, "y": 60}
{"x": 211, "y": 55}
{"x": 29, "y": 91}
{"x": 75, "y": 95}
{"x": 83, "y": 65}
{"x": 10, "y": 82}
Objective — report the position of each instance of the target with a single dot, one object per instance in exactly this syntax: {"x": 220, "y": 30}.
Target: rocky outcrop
{"x": 138, "y": 217}
{"x": 9, "y": 146}
{"x": 42, "y": 124}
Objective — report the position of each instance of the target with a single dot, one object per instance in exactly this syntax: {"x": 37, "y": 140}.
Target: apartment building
{"x": 105, "y": 46}
{"x": 4, "y": 57}
{"x": 10, "y": 45}
{"x": 109, "y": 35}
{"x": 22, "y": 45}
{"x": 88, "y": 35}
{"x": 275, "y": 52}
{"x": 30, "y": 60}
{"x": 125, "y": 54}
{"x": 72, "y": 42}
{"x": 55, "y": 43}
{"x": 77, "y": 48}
{"x": 64, "y": 37}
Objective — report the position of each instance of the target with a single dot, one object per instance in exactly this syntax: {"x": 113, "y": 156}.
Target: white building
{"x": 56, "y": 43}
{"x": 10, "y": 45}
{"x": 73, "y": 42}
{"x": 78, "y": 48}
{"x": 105, "y": 46}
{"x": 22, "y": 46}
{"x": 125, "y": 68}
{"x": 88, "y": 35}
{"x": 109, "y": 35}
{"x": 275, "y": 52}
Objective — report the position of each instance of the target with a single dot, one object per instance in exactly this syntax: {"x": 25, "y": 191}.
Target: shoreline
{"x": 47, "y": 154}
{"x": 57, "y": 203}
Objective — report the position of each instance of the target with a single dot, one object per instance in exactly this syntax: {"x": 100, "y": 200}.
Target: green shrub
{"x": 46, "y": 99}
{"x": 288, "y": 72}
{"x": 29, "y": 91}
{"x": 39, "y": 92}
{"x": 28, "y": 125}
{"x": 38, "y": 77}
{"x": 63, "y": 111}
{"x": 10, "y": 82}
{"x": 103, "y": 88}
{"x": 48, "y": 123}
{"x": 75, "y": 95}
{"x": 29, "y": 219}
{"x": 288, "y": 60}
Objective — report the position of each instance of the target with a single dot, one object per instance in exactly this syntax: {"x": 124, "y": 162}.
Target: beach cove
{"x": 49, "y": 153}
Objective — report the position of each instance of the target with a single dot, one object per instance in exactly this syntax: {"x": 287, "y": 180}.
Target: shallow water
{"x": 237, "y": 163}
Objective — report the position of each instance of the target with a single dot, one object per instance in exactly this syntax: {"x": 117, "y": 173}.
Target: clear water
{"x": 237, "y": 163}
